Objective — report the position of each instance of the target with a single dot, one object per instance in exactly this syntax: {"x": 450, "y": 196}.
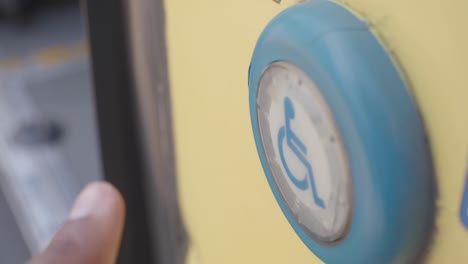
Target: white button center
{"x": 304, "y": 151}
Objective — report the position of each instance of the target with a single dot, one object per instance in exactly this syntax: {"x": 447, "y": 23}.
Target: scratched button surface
{"x": 304, "y": 151}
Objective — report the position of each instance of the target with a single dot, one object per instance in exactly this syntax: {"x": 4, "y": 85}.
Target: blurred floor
{"x": 52, "y": 36}
{"x": 12, "y": 247}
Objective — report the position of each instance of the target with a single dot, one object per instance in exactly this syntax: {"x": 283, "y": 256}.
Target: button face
{"x": 304, "y": 151}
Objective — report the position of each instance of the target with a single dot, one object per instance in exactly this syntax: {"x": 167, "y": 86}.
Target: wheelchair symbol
{"x": 299, "y": 150}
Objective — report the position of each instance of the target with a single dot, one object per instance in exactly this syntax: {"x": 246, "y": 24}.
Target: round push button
{"x": 340, "y": 139}
{"x": 304, "y": 151}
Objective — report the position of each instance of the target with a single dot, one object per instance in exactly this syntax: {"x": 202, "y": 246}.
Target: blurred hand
{"x": 93, "y": 231}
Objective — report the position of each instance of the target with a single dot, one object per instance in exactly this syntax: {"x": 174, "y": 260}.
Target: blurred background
{"x": 47, "y": 120}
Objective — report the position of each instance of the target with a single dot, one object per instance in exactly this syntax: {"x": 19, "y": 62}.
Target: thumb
{"x": 93, "y": 231}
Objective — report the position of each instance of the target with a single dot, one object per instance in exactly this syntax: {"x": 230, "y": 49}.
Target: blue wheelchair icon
{"x": 299, "y": 150}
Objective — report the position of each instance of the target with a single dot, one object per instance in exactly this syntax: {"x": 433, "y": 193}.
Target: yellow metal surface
{"x": 229, "y": 210}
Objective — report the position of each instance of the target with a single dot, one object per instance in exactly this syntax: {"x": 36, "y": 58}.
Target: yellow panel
{"x": 229, "y": 209}
{"x": 227, "y": 204}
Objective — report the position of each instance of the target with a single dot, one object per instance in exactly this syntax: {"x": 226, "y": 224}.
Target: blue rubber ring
{"x": 464, "y": 205}
{"x": 391, "y": 166}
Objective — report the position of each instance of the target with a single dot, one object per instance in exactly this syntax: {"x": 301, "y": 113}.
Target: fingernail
{"x": 88, "y": 201}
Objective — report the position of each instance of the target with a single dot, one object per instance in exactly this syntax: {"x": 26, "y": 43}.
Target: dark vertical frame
{"x": 117, "y": 122}
{"x": 149, "y": 59}
{"x": 128, "y": 53}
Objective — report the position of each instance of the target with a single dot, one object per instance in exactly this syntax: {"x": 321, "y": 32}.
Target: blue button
{"x": 464, "y": 206}
{"x": 384, "y": 137}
